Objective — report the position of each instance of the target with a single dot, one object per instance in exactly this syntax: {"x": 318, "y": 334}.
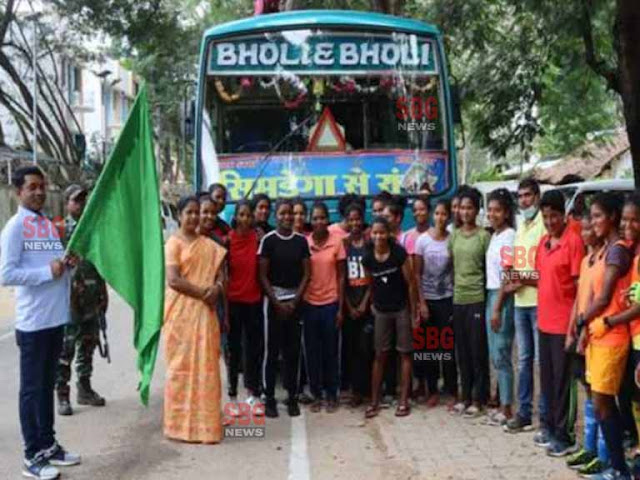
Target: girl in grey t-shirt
{"x": 434, "y": 272}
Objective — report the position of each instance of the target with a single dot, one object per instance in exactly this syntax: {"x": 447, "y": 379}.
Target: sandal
{"x": 332, "y": 405}
{"x": 403, "y": 410}
{"x": 372, "y": 411}
{"x": 433, "y": 400}
{"x": 316, "y": 406}
{"x": 355, "y": 401}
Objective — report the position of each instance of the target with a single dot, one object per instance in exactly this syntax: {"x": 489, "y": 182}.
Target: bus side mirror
{"x": 455, "y": 104}
{"x": 189, "y": 120}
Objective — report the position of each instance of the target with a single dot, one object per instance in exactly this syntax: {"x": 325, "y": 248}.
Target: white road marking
{"x": 299, "y": 458}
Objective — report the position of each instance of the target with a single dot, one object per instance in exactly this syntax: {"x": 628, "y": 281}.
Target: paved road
{"x": 124, "y": 439}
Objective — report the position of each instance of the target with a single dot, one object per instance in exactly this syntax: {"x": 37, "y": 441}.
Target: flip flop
{"x": 372, "y": 411}
{"x": 403, "y": 410}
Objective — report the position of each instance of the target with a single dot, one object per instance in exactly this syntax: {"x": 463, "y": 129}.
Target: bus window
{"x": 372, "y": 115}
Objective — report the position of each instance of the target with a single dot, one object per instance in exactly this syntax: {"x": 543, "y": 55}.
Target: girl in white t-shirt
{"x": 500, "y": 323}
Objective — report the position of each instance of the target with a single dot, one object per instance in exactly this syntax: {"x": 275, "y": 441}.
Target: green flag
{"x": 120, "y": 232}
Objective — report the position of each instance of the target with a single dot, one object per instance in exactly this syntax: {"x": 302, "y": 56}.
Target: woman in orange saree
{"x": 192, "y": 397}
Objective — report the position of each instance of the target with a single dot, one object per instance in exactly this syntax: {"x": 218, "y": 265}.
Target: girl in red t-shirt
{"x": 245, "y": 312}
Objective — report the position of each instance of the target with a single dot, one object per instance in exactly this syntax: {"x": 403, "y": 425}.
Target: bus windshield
{"x": 361, "y": 101}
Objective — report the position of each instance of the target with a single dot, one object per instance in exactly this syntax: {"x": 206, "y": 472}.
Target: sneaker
{"x": 561, "y": 449}
{"x": 233, "y": 410}
{"x": 58, "y": 456}
{"x": 498, "y": 419}
{"x": 517, "y": 424}
{"x": 591, "y": 469}
{"x": 542, "y": 439}
{"x": 581, "y": 458}
{"x": 473, "y": 411}
{"x": 40, "y": 468}
{"x": 612, "y": 474}
{"x": 292, "y": 408}
{"x": 271, "y": 408}
{"x": 459, "y": 408}
{"x": 255, "y": 405}
{"x": 305, "y": 399}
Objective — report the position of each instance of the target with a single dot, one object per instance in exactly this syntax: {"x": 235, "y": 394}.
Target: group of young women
{"x": 334, "y": 309}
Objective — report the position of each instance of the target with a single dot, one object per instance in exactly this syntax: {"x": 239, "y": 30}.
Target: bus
{"x": 320, "y": 103}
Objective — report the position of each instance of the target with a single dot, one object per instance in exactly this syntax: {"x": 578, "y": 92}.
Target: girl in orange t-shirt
{"x": 630, "y": 227}
{"x": 608, "y": 346}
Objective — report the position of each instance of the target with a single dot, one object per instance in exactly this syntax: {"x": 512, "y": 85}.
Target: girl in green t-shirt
{"x": 468, "y": 245}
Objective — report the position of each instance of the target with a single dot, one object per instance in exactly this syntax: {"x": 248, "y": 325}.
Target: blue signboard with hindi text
{"x": 310, "y": 175}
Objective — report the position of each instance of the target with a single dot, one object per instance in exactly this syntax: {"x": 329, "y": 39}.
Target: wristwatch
{"x": 580, "y": 323}
{"x": 605, "y": 320}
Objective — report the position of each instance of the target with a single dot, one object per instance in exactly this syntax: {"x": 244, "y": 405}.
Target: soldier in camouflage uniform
{"x": 88, "y": 302}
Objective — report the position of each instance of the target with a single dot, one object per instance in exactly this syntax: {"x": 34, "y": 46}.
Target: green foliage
{"x": 491, "y": 174}
{"x": 522, "y": 71}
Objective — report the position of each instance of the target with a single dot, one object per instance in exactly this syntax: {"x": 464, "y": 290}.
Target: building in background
{"x": 83, "y": 96}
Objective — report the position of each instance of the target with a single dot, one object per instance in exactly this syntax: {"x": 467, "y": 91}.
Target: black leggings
{"x": 440, "y": 316}
{"x": 283, "y": 334}
{"x": 245, "y": 346}
{"x": 470, "y": 333}
{"x": 357, "y": 342}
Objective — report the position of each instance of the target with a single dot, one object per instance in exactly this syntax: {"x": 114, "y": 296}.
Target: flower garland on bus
{"x": 293, "y": 81}
{"x": 429, "y": 85}
{"x": 245, "y": 83}
{"x": 348, "y": 84}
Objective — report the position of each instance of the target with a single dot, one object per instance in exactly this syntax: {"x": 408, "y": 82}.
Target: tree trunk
{"x": 628, "y": 45}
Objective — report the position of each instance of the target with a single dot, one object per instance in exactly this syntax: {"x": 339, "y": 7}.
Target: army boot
{"x": 64, "y": 404}
{"x": 87, "y": 396}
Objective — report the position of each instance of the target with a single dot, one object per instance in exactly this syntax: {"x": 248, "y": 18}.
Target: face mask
{"x": 529, "y": 213}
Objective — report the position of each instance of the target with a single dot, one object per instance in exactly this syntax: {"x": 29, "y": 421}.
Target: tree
{"x": 56, "y": 121}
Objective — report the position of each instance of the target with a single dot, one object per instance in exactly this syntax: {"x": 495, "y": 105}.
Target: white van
{"x": 587, "y": 190}
{"x": 486, "y": 188}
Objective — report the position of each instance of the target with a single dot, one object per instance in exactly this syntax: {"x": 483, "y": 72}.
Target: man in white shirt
{"x": 32, "y": 259}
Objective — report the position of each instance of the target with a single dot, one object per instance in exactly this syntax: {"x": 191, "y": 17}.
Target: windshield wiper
{"x": 264, "y": 161}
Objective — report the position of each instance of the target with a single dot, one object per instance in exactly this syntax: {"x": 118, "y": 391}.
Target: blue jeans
{"x": 526, "y": 323}
{"x": 39, "y": 353}
{"x": 593, "y": 438}
{"x": 501, "y": 345}
{"x": 321, "y": 349}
